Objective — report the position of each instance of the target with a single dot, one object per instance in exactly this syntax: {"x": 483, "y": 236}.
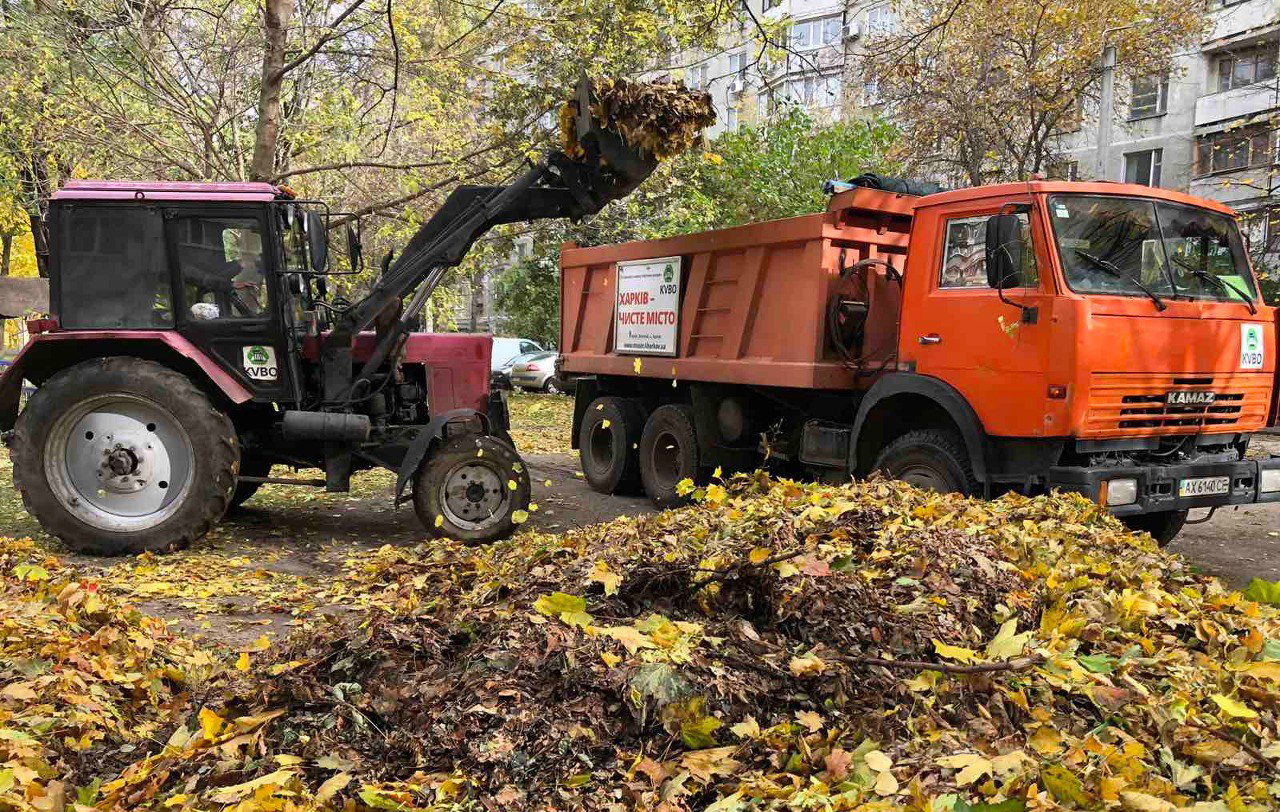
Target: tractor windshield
{"x": 1132, "y": 247}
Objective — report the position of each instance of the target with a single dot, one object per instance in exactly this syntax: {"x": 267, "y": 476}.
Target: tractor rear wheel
{"x": 472, "y": 489}
{"x": 121, "y": 455}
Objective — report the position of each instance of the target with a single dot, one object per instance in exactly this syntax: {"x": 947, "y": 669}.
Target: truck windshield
{"x": 1131, "y": 247}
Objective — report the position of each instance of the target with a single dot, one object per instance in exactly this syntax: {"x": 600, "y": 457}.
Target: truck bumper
{"x": 1158, "y": 485}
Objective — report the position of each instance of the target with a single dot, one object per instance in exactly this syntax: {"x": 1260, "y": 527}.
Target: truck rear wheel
{"x": 471, "y": 488}
{"x": 932, "y": 459}
{"x": 668, "y": 453}
{"x": 608, "y": 440}
{"x": 1164, "y": 526}
{"x": 121, "y": 455}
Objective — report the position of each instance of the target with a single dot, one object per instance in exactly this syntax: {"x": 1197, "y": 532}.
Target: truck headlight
{"x": 1122, "y": 491}
{"x": 1269, "y": 480}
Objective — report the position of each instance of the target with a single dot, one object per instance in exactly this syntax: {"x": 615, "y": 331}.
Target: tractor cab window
{"x": 111, "y": 268}
{"x": 964, "y": 259}
{"x": 223, "y": 266}
{"x": 295, "y": 239}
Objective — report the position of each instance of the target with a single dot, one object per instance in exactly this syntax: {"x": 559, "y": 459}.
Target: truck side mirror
{"x": 1004, "y": 251}
{"x": 354, "y": 249}
{"x": 318, "y": 242}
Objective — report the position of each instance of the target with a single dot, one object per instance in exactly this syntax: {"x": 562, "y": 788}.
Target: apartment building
{"x": 1207, "y": 127}
{"x": 815, "y": 67}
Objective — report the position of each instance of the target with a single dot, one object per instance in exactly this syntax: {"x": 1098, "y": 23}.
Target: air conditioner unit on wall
{"x": 852, "y": 31}
{"x": 737, "y": 86}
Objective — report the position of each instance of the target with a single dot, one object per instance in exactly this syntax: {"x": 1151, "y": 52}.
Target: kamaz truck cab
{"x": 1096, "y": 337}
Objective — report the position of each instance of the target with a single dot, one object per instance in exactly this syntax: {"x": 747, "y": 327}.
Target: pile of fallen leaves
{"x": 775, "y": 646}
{"x": 661, "y": 118}
{"x": 86, "y": 685}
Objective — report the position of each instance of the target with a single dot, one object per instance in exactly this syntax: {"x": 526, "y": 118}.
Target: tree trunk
{"x": 6, "y": 247}
{"x": 275, "y": 23}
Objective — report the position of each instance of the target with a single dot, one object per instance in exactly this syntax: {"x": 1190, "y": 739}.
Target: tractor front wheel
{"x": 474, "y": 489}
{"x": 121, "y": 455}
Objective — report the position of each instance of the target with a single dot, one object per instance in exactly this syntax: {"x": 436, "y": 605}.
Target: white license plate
{"x": 1204, "y": 486}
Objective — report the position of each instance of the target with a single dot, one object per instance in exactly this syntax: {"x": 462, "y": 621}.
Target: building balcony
{"x": 1240, "y": 102}
{"x": 1239, "y": 18}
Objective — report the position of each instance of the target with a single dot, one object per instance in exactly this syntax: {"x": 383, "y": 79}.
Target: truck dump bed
{"x": 744, "y": 305}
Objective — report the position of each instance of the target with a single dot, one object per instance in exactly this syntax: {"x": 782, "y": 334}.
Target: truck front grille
{"x": 1127, "y": 404}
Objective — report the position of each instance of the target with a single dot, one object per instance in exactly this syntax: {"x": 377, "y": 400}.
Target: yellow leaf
{"x": 636, "y": 365}
{"x": 716, "y": 494}
{"x": 758, "y": 554}
{"x": 972, "y": 766}
{"x": 242, "y": 662}
{"x": 604, "y": 424}
{"x": 886, "y": 784}
{"x": 210, "y": 723}
{"x": 1263, "y": 670}
{"x": 811, "y": 720}
{"x": 807, "y": 665}
{"x": 261, "y": 644}
{"x": 440, "y": 520}
{"x": 610, "y": 659}
{"x": 1234, "y": 707}
{"x": 630, "y": 637}
{"x": 606, "y": 577}
{"x": 878, "y": 761}
{"x": 1142, "y": 802}
{"x": 229, "y": 795}
{"x": 519, "y": 516}
{"x": 1007, "y": 643}
{"x": 748, "y": 728}
{"x": 332, "y": 787}
{"x": 511, "y": 484}
{"x": 964, "y": 655}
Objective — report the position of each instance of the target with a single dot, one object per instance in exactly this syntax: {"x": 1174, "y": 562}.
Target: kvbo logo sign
{"x": 260, "y": 363}
{"x": 1253, "y": 350}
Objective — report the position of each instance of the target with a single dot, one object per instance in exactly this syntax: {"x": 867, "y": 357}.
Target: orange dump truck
{"x": 1102, "y": 338}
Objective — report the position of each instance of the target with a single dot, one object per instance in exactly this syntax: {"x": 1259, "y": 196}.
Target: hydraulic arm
{"x": 558, "y": 186}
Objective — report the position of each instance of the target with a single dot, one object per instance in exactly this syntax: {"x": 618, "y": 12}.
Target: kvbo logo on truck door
{"x": 1253, "y": 352}
{"x": 260, "y": 362}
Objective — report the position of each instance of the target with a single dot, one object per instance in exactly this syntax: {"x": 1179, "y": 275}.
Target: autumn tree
{"x": 981, "y": 88}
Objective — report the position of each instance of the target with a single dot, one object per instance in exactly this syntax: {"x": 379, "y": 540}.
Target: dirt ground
{"x": 279, "y": 556}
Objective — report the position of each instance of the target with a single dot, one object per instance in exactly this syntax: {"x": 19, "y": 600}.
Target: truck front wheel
{"x": 608, "y": 440}
{"x": 471, "y": 488}
{"x": 121, "y": 455}
{"x": 668, "y": 453}
{"x": 1163, "y": 525}
{"x": 932, "y": 459}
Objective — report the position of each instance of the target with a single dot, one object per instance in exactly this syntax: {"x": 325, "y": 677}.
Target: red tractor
{"x": 194, "y": 345}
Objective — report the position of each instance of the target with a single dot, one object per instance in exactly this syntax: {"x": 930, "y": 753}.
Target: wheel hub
{"x": 119, "y": 462}
{"x": 473, "y": 494}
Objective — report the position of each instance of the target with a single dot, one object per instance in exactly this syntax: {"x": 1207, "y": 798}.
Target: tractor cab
{"x": 237, "y": 269}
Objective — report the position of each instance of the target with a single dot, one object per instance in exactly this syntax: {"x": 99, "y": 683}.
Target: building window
{"x": 738, "y": 64}
{"x": 1143, "y": 167}
{"x": 880, "y": 20}
{"x": 698, "y": 76}
{"x": 1246, "y": 67}
{"x": 814, "y": 91}
{"x": 815, "y": 33}
{"x": 1231, "y": 151}
{"x": 1150, "y": 97}
{"x": 731, "y": 119}
{"x": 768, "y": 4}
{"x": 870, "y": 93}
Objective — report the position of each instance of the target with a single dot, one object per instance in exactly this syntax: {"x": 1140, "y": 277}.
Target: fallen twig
{"x": 1227, "y": 735}
{"x": 1016, "y": 664}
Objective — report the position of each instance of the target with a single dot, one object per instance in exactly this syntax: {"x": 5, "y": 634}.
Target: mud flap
{"x": 433, "y": 433}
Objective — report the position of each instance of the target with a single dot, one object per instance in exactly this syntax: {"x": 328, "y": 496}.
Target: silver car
{"x": 537, "y": 372}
